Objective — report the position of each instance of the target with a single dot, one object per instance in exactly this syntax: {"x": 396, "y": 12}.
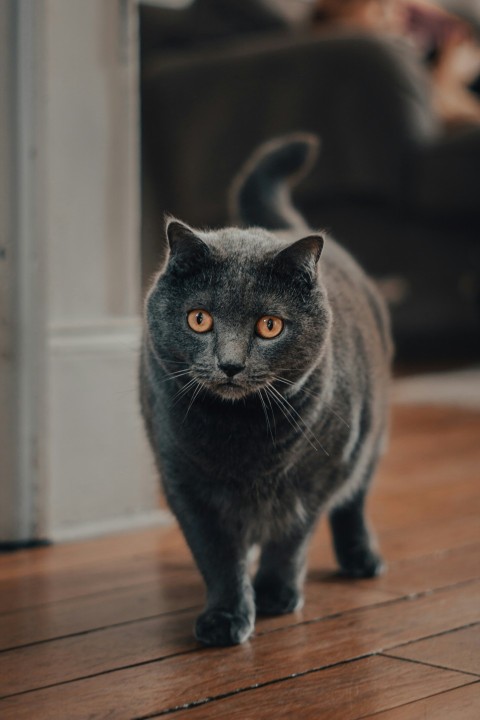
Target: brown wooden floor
{"x": 103, "y": 629}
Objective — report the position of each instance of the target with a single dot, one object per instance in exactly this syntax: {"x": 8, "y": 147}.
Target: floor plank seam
{"x": 433, "y": 635}
{"x": 61, "y": 601}
{"x": 71, "y": 600}
{"x": 74, "y": 598}
{"x": 430, "y": 664}
{"x": 80, "y": 678}
{"x": 92, "y": 631}
{"x": 412, "y": 702}
{"x": 410, "y": 597}
{"x": 250, "y": 688}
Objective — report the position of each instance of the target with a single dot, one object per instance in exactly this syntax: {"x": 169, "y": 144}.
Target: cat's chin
{"x": 231, "y": 391}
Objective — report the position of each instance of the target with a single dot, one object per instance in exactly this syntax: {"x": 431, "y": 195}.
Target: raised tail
{"x": 261, "y": 192}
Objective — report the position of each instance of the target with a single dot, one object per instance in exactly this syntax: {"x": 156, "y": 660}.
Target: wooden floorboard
{"x": 457, "y": 650}
{"x": 459, "y": 704}
{"x": 103, "y": 629}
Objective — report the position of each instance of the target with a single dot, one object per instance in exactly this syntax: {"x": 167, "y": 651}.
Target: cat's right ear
{"x": 187, "y": 250}
{"x": 300, "y": 259}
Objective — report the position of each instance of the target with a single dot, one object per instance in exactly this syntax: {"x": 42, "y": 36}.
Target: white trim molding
{"x": 22, "y": 274}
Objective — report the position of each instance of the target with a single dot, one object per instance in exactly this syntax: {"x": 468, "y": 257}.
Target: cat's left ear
{"x": 302, "y": 257}
{"x": 187, "y": 250}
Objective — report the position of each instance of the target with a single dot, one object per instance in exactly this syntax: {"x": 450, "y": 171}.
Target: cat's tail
{"x": 261, "y": 192}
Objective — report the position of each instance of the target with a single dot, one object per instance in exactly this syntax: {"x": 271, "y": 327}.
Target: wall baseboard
{"x": 15, "y": 546}
{"x": 139, "y": 521}
{"x": 456, "y": 387}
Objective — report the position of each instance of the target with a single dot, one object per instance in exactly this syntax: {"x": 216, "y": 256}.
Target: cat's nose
{"x": 231, "y": 369}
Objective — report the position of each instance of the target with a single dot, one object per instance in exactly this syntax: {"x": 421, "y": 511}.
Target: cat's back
{"x": 357, "y": 305}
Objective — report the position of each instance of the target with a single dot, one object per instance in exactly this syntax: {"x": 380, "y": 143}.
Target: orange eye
{"x": 269, "y": 326}
{"x": 200, "y": 321}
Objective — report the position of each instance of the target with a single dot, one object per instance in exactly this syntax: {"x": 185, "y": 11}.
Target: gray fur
{"x": 258, "y": 460}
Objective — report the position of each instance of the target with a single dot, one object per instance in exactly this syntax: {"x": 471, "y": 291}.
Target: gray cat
{"x": 264, "y": 389}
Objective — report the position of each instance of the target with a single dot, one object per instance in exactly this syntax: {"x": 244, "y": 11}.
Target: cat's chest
{"x": 243, "y": 462}
{"x": 233, "y": 446}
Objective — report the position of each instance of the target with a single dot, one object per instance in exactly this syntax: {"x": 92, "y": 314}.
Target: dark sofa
{"x": 388, "y": 184}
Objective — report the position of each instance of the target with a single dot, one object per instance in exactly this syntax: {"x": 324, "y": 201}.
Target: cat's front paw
{"x": 220, "y": 628}
{"x": 362, "y": 564}
{"x": 274, "y": 597}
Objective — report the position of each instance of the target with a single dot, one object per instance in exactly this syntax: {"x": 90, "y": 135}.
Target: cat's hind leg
{"x": 352, "y": 540}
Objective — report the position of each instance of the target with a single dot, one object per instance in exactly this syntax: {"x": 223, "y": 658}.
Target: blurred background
{"x": 114, "y": 112}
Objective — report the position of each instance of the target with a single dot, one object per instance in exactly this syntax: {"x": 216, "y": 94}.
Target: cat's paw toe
{"x": 275, "y": 598}
{"x": 366, "y": 564}
{"x": 221, "y": 628}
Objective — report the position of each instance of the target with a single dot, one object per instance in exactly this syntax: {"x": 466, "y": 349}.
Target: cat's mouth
{"x": 231, "y": 389}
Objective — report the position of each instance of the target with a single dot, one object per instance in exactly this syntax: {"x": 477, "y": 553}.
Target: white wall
{"x": 91, "y": 135}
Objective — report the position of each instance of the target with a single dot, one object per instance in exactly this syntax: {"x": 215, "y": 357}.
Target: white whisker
{"x": 200, "y": 386}
{"x": 267, "y": 420}
{"x": 291, "y": 409}
{"x": 291, "y": 418}
{"x": 338, "y": 416}
{"x": 176, "y": 374}
{"x": 183, "y": 390}
{"x": 267, "y": 396}
{"x": 286, "y": 416}
{"x": 315, "y": 395}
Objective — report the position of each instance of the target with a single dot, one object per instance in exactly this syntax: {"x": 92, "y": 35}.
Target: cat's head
{"x": 238, "y": 309}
